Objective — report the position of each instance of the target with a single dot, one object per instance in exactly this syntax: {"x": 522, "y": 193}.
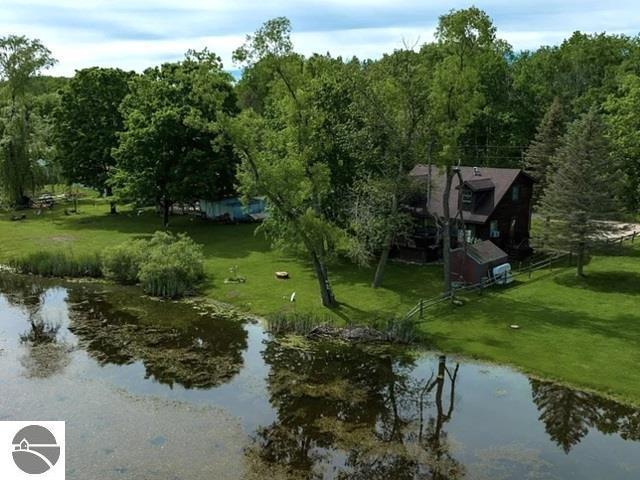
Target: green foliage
{"x": 58, "y": 264}
{"x": 581, "y": 193}
{"x": 22, "y": 131}
{"x": 172, "y": 267}
{"x": 374, "y": 217}
{"x": 623, "y": 124}
{"x": 172, "y": 149}
{"x": 398, "y": 329}
{"x": 167, "y": 265}
{"x": 299, "y": 323}
{"x": 121, "y": 263}
{"x": 466, "y": 40}
{"x": 87, "y": 121}
{"x": 21, "y": 59}
{"x": 279, "y": 153}
{"x": 539, "y": 155}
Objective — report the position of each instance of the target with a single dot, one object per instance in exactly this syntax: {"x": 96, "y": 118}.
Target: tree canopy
{"x": 172, "y": 148}
{"x": 87, "y": 122}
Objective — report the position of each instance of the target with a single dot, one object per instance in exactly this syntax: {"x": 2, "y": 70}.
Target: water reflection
{"x": 45, "y": 353}
{"x": 568, "y": 415}
{"x": 312, "y": 409}
{"x": 192, "y": 350}
{"x": 356, "y": 413}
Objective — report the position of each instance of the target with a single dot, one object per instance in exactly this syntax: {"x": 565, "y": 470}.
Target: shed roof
{"x": 486, "y": 252}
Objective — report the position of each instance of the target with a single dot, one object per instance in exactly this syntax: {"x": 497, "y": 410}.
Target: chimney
{"x": 476, "y": 172}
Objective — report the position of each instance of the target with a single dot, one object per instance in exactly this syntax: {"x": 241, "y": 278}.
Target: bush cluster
{"x": 172, "y": 266}
{"x": 167, "y": 265}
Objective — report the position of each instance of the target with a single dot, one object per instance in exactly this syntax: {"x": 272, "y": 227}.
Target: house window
{"x": 494, "y": 232}
{"x": 515, "y": 193}
{"x": 467, "y": 196}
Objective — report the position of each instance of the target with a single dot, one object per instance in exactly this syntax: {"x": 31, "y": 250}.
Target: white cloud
{"x": 135, "y": 34}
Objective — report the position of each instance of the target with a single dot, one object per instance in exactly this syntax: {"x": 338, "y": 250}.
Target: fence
{"x": 424, "y": 304}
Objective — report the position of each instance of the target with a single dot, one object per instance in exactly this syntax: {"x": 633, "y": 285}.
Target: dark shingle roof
{"x": 480, "y": 184}
{"x": 486, "y": 252}
{"x": 500, "y": 178}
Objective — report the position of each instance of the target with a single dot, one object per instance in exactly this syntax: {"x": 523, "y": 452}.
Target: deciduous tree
{"x": 279, "y": 155}
{"x": 172, "y": 148}
{"x": 87, "y": 122}
{"x": 20, "y": 60}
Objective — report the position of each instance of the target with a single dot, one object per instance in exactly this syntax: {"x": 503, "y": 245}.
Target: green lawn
{"x": 583, "y": 332}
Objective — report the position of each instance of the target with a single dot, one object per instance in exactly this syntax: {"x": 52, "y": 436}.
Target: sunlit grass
{"x": 582, "y": 331}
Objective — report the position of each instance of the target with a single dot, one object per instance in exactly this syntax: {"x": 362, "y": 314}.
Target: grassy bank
{"x": 585, "y": 332}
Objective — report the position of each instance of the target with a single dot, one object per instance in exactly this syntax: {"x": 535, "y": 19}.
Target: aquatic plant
{"x": 121, "y": 263}
{"x": 172, "y": 267}
{"x": 299, "y": 323}
{"x": 398, "y": 329}
{"x": 58, "y": 263}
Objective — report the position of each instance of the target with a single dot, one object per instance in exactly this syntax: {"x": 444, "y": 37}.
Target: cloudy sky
{"x": 134, "y": 34}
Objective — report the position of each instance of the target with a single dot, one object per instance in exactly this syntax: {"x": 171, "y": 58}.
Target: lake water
{"x": 162, "y": 390}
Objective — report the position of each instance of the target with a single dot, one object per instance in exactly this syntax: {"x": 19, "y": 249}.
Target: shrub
{"x": 58, "y": 264}
{"x": 122, "y": 263}
{"x": 172, "y": 267}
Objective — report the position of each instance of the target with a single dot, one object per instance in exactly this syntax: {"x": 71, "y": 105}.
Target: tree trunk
{"x": 386, "y": 249}
{"x": 326, "y": 293}
{"x": 446, "y": 231}
{"x": 580, "y": 260}
{"x": 382, "y": 263}
{"x": 108, "y": 192}
{"x": 165, "y": 213}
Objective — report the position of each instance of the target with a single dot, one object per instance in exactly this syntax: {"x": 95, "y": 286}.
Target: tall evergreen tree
{"x": 542, "y": 149}
{"x": 579, "y": 197}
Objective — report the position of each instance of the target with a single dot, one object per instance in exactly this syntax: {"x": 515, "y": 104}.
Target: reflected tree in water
{"x": 355, "y": 414}
{"x": 46, "y": 354}
{"x": 176, "y": 343}
{"x": 568, "y": 415}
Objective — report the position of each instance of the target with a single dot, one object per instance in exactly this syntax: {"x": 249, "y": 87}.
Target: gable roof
{"x": 496, "y": 181}
{"x": 486, "y": 252}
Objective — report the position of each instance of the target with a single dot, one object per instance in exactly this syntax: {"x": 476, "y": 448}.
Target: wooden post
{"x": 633, "y": 237}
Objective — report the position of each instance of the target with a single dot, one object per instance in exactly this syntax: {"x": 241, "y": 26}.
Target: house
{"x": 473, "y": 264}
{"x": 233, "y": 210}
{"x": 495, "y": 204}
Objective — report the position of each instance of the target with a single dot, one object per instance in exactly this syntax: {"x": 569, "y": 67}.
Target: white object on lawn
{"x": 293, "y": 297}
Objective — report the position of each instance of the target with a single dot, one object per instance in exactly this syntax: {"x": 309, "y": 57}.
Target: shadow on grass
{"x": 225, "y": 241}
{"x": 604, "y": 282}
